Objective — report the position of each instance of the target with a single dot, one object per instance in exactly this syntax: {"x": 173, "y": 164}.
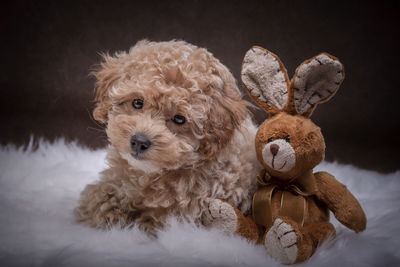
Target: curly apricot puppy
{"x": 180, "y": 134}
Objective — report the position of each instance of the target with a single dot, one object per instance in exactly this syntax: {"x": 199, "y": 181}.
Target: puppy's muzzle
{"x": 140, "y": 143}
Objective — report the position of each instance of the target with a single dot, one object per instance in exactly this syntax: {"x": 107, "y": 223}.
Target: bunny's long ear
{"x": 316, "y": 80}
{"x": 266, "y": 79}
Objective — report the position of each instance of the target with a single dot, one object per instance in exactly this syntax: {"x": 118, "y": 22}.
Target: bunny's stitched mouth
{"x": 273, "y": 165}
{"x": 283, "y": 166}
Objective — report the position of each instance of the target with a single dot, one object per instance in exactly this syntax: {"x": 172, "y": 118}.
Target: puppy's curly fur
{"x": 210, "y": 156}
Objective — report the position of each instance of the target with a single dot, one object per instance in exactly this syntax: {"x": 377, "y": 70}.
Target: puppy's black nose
{"x": 140, "y": 143}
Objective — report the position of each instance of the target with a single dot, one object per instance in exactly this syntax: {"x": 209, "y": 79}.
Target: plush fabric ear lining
{"x": 264, "y": 78}
{"x": 316, "y": 81}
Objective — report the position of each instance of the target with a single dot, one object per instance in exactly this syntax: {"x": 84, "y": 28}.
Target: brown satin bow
{"x": 293, "y": 202}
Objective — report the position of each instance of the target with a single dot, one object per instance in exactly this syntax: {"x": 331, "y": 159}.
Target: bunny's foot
{"x": 285, "y": 242}
{"x": 221, "y": 215}
{"x": 224, "y": 216}
{"x": 281, "y": 242}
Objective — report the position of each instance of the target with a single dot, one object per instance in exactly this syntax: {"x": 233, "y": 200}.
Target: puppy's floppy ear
{"x": 316, "y": 80}
{"x": 227, "y": 110}
{"x": 107, "y": 74}
{"x": 224, "y": 117}
{"x": 265, "y": 78}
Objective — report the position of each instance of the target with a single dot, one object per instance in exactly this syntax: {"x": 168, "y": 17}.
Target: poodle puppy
{"x": 180, "y": 135}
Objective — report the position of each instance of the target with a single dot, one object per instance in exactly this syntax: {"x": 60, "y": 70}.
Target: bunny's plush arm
{"x": 340, "y": 201}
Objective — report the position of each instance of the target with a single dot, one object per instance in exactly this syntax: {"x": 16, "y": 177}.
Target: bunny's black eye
{"x": 179, "y": 119}
{"x": 137, "y": 103}
{"x": 270, "y": 140}
{"x": 287, "y": 138}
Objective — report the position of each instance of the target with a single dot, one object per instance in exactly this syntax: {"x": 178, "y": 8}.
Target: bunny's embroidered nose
{"x": 274, "y": 149}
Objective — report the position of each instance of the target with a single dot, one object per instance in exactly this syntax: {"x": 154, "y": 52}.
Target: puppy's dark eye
{"x": 270, "y": 140}
{"x": 179, "y": 119}
{"x": 287, "y": 138}
{"x": 137, "y": 103}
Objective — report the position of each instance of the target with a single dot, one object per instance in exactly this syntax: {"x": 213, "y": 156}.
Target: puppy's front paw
{"x": 281, "y": 242}
{"x": 221, "y": 215}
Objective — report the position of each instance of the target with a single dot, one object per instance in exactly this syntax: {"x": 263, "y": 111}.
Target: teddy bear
{"x": 290, "y": 209}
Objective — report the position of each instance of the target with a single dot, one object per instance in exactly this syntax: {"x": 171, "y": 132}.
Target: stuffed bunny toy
{"x": 290, "y": 212}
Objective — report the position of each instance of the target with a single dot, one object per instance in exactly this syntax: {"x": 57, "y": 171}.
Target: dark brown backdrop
{"x": 49, "y": 47}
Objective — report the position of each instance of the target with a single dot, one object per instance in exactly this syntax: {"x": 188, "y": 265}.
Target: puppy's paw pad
{"x": 221, "y": 215}
{"x": 281, "y": 242}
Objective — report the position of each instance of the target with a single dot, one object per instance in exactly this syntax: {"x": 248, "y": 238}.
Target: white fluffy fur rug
{"x": 39, "y": 189}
